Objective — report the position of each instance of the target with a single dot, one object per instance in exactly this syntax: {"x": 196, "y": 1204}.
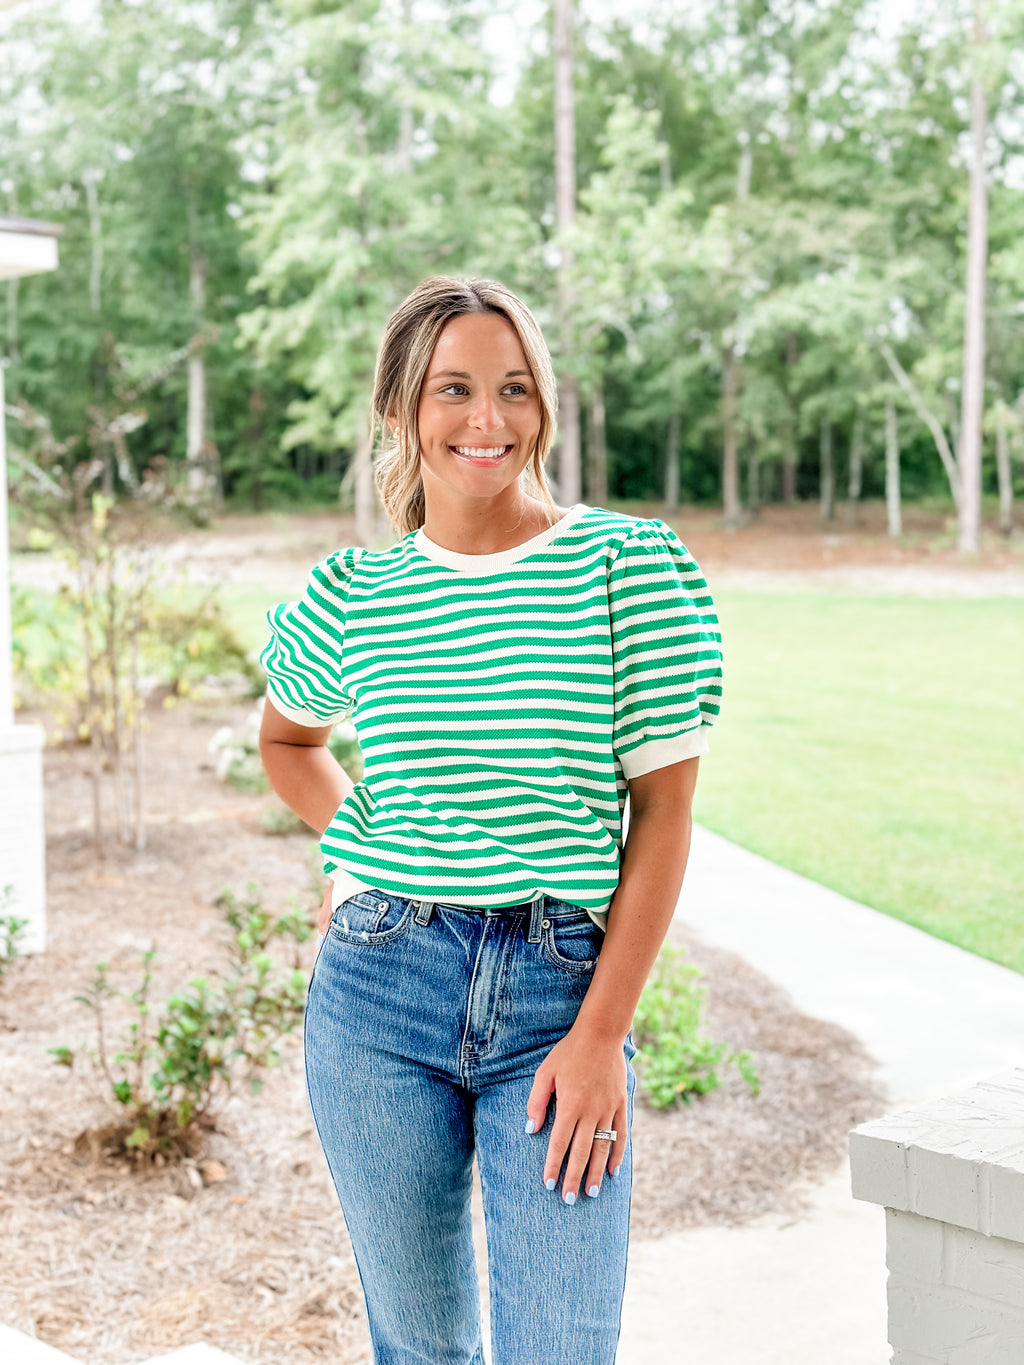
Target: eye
{"x": 516, "y": 390}
{"x": 449, "y": 387}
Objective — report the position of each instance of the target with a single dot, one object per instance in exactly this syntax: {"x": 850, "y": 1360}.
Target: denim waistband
{"x": 520, "y": 907}
{"x": 534, "y": 909}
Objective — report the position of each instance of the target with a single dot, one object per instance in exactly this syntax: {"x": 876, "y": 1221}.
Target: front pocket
{"x": 572, "y": 942}
{"x": 370, "y": 918}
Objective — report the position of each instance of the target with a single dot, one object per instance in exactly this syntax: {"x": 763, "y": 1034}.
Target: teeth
{"x": 481, "y": 452}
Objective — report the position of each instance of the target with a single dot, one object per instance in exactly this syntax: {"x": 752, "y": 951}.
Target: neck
{"x": 481, "y": 526}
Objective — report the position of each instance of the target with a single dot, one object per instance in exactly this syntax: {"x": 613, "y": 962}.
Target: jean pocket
{"x": 370, "y": 918}
{"x": 572, "y": 942}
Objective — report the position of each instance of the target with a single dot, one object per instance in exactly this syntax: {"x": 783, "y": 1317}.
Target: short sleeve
{"x": 667, "y": 651}
{"x": 302, "y": 658}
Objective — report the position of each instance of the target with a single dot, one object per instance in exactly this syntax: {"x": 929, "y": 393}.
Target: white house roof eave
{"x": 27, "y": 247}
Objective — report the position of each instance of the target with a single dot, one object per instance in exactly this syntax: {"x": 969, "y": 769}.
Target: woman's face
{"x": 479, "y": 410}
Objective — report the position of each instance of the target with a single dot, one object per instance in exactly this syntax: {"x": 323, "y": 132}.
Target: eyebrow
{"x": 461, "y": 374}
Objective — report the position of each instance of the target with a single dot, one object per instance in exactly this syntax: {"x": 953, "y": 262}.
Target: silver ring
{"x": 605, "y": 1135}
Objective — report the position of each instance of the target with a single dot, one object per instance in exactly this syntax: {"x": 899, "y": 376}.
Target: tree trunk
{"x": 365, "y": 500}
{"x": 893, "y": 509}
{"x": 254, "y": 436}
{"x": 753, "y": 483}
{"x": 597, "y": 451}
{"x": 403, "y": 152}
{"x": 949, "y": 461}
{"x": 672, "y": 464}
{"x": 828, "y": 474}
{"x": 569, "y": 480}
{"x": 1004, "y": 473}
{"x": 196, "y": 477}
{"x": 790, "y": 454}
{"x": 104, "y": 450}
{"x": 12, "y": 321}
{"x": 973, "y": 386}
{"x": 12, "y": 300}
{"x": 730, "y": 438}
{"x": 90, "y": 179}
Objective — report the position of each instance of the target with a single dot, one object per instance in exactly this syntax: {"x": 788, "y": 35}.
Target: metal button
{"x": 382, "y": 905}
{"x": 545, "y": 924}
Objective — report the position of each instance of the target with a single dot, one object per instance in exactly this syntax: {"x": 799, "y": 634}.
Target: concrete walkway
{"x": 936, "y": 1018}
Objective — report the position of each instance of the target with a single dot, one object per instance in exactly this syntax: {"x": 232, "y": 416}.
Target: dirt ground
{"x": 250, "y": 1253}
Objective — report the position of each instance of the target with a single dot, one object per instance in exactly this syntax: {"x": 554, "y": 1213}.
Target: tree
{"x": 350, "y": 219}
{"x": 569, "y": 481}
{"x": 973, "y": 385}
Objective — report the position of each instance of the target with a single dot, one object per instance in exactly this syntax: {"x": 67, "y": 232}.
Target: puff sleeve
{"x": 666, "y": 649}
{"x": 302, "y": 658}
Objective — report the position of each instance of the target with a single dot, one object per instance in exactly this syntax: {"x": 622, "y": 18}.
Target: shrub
{"x": 174, "y": 1069}
{"x": 12, "y": 930}
{"x": 237, "y": 751}
{"x": 281, "y": 822}
{"x": 674, "y": 1058}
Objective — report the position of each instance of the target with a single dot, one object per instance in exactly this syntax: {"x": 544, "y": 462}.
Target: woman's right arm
{"x": 306, "y": 776}
{"x": 302, "y": 770}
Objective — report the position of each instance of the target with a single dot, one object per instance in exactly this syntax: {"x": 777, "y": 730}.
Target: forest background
{"x": 766, "y": 269}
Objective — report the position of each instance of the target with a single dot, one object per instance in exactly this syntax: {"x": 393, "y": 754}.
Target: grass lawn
{"x": 876, "y": 744}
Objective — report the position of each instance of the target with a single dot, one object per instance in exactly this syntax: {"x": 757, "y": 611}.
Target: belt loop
{"x": 536, "y": 915}
{"x": 423, "y": 914}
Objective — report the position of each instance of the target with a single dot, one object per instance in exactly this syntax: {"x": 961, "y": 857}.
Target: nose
{"x": 484, "y": 415}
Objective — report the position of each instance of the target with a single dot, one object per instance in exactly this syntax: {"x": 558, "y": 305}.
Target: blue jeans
{"x": 424, "y": 1026}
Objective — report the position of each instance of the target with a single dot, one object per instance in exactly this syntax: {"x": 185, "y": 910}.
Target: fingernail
{"x": 616, "y": 1169}
{"x": 592, "y": 1191}
{"x": 570, "y": 1198}
{"x": 549, "y": 1184}
{"x": 530, "y": 1126}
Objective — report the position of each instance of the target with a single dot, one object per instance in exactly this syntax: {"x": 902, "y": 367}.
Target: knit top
{"x": 502, "y": 703}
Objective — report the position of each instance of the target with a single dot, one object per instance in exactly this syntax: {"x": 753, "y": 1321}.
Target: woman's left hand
{"x": 587, "y": 1075}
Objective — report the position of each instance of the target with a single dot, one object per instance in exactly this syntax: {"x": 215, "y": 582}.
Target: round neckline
{"x": 487, "y": 563}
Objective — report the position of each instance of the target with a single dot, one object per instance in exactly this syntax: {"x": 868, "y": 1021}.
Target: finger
{"x": 579, "y": 1155}
{"x": 539, "y": 1099}
{"x": 558, "y": 1145}
{"x": 618, "y": 1151}
{"x": 599, "y": 1157}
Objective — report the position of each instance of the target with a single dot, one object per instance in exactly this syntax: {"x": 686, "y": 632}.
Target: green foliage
{"x": 12, "y": 930}
{"x": 189, "y": 641}
{"x": 344, "y": 745}
{"x": 281, "y": 822}
{"x": 184, "y": 642}
{"x": 675, "y": 1060}
{"x": 176, "y": 1065}
{"x": 237, "y": 751}
{"x": 259, "y": 184}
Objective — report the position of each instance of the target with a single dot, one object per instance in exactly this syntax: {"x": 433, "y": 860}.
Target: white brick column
{"x": 21, "y": 767}
{"x": 950, "y": 1176}
{"x": 27, "y": 247}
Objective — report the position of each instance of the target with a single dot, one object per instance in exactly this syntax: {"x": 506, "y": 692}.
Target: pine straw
{"x": 243, "y": 1246}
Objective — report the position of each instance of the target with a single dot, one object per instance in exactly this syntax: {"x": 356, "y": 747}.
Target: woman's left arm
{"x": 587, "y": 1068}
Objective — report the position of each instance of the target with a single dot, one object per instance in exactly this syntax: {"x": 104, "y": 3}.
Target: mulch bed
{"x": 243, "y": 1246}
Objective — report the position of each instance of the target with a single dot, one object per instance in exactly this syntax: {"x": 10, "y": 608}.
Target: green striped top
{"x": 502, "y": 702}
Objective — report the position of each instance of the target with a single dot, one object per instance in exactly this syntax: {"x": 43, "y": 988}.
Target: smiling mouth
{"x": 480, "y": 454}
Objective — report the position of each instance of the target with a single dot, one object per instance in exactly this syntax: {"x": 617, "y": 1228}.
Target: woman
{"x": 514, "y": 668}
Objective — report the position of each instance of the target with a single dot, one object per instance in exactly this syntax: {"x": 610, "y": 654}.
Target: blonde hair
{"x": 405, "y": 351}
